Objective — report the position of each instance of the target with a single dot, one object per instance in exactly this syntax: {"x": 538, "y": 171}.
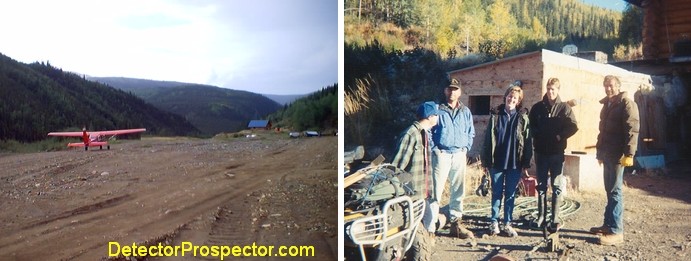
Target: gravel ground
{"x": 270, "y": 190}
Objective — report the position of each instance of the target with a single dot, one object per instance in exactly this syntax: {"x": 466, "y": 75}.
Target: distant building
{"x": 259, "y": 124}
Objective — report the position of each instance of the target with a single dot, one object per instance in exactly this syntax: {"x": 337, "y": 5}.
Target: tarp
{"x": 258, "y": 124}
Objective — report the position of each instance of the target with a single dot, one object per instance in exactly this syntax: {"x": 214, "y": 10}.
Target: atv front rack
{"x": 377, "y": 230}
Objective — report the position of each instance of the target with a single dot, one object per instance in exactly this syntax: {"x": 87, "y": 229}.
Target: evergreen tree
{"x": 631, "y": 26}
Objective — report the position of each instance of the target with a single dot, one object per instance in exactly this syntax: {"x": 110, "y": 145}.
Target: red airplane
{"x": 94, "y": 138}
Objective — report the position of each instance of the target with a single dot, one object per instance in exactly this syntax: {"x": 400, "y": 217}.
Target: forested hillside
{"x": 397, "y": 53}
{"x": 142, "y": 88}
{"x": 211, "y": 109}
{"x": 38, "y": 98}
{"x": 494, "y": 27}
{"x": 316, "y": 111}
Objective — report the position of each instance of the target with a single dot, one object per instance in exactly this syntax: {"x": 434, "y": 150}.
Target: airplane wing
{"x": 66, "y": 134}
{"x": 114, "y": 132}
{"x": 96, "y": 133}
{"x": 94, "y": 138}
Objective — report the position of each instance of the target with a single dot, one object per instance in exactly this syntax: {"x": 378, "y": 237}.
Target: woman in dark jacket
{"x": 506, "y": 154}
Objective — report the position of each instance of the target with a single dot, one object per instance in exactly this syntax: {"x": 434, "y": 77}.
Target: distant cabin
{"x": 259, "y": 124}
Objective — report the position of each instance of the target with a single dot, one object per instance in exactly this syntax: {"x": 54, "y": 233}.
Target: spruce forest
{"x": 493, "y": 27}
{"x": 210, "y": 109}
{"x": 397, "y": 53}
{"x": 316, "y": 111}
{"x": 39, "y": 98}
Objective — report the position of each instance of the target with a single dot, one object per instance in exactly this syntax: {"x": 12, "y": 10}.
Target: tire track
{"x": 83, "y": 210}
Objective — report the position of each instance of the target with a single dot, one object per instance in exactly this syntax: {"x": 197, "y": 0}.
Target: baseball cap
{"x": 454, "y": 84}
{"x": 427, "y": 109}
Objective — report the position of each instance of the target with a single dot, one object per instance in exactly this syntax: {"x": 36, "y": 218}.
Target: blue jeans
{"x": 504, "y": 183}
{"x": 549, "y": 166}
{"x": 614, "y": 182}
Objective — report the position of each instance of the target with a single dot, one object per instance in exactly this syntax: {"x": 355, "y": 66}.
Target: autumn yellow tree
{"x": 472, "y": 26}
{"x": 441, "y": 20}
{"x": 500, "y": 36}
{"x": 539, "y": 30}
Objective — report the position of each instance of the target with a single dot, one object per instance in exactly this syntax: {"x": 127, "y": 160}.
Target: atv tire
{"x": 421, "y": 250}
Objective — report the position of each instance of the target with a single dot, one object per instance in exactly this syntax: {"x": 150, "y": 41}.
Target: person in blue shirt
{"x": 452, "y": 137}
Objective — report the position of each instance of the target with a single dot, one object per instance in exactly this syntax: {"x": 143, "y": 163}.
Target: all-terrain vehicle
{"x": 382, "y": 214}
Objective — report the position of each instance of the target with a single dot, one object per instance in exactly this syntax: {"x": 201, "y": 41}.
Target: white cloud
{"x": 234, "y": 44}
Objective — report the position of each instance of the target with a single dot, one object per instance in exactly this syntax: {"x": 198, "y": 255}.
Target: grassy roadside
{"x": 14, "y": 146}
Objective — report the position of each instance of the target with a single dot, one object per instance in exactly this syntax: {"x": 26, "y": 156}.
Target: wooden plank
{"x": 358, "y": 175}
{"x": 676, "y": 6}
{"x": 681, "y": 18}
{"x": 355, "y": 177}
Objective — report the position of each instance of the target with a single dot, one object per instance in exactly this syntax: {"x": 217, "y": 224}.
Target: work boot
{"x": 611, "y": 239}
{"x": 600, "y": 230}
{"x": 554, "y": 227}
{"x": 541, "y": 211}
{"x": 555, "y": 224}
{"x": 509, "y": 231}
{"x": 494, "y": 228}
{"x": 458, "y": 230}
{"x": 430, "y": 235}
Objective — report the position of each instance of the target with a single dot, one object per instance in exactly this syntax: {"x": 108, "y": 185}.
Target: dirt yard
{"x": 656, "y": 221}
{"x": 69, "y": 205}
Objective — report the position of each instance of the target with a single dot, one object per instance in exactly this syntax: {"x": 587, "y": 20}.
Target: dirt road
{"x": 71, "y": 204}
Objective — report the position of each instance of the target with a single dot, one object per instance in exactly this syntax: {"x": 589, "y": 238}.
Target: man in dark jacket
{"x": 616, "y": 145}
{"x": 552, "y": 123}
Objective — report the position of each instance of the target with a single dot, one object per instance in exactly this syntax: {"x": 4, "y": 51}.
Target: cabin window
{"x": 480, "y": 104}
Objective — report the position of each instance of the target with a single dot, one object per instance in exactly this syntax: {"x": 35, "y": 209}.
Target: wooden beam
{"x": 358, "y": 175}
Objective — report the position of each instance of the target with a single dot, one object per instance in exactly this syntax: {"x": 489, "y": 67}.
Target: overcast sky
{"x": 262, "y": 46}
